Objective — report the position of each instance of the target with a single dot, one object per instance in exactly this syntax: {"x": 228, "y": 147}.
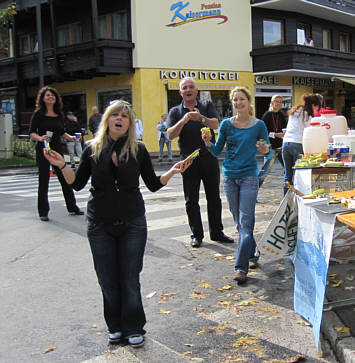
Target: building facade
{"x": 95, "y": 51}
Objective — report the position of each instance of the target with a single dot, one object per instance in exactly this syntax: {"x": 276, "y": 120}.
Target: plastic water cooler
{"x": 315, "y": 139}
{"x": 6, "y": 132}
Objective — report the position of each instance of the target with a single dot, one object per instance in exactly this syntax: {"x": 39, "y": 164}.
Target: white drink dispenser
{"x": 315, "y": 139}
{"x": 335, "y": 125}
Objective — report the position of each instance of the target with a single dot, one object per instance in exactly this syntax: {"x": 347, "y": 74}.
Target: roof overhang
{"x": 309, "y": 8}
{"x": 350, "y": 80}
{"x": 303, "y": 73}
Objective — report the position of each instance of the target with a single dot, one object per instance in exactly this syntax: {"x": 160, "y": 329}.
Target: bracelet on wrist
{"x": 65, "y": 164}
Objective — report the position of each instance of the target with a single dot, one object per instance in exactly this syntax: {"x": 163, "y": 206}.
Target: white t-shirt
{"x": 295, "y": 126}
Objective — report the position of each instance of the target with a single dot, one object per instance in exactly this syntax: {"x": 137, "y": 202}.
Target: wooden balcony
{"x": 295, "y": 59}
{"x": 79, "y": 61}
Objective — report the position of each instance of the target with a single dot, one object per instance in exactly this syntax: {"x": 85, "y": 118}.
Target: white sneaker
{"x": 136, "y": 340}
{"x": 114, "y": 338}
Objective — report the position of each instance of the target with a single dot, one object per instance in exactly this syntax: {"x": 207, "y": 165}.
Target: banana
{"x": 309, "y": 196}
{"x": 319, "y": 191}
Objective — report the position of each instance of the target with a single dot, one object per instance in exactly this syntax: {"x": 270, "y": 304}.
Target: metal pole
{"x": 40, "y": 45}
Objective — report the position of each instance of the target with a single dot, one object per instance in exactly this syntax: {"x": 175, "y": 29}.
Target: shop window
{"x": 104, "y": 97}
{"x": 69, "y": 34}
{"x": 344, "y": 42}
{"x": 114, "y": 26}
{"x": 28, "y": 43}
{"x": 327, "y": 39}
{"x": 273, "y": 32}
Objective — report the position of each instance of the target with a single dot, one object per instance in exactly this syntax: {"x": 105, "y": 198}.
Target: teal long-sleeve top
{"x": 240, "y": 160}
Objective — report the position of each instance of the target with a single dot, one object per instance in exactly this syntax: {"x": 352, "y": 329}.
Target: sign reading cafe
{"x": 199, "y": 75}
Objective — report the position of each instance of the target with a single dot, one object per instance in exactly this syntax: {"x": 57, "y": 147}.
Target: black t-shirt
{"x": 275, "y": 122}
{"x": 41, "y": 123}
{"x": 190, "y": 136}
{"x": 104, "y": 173}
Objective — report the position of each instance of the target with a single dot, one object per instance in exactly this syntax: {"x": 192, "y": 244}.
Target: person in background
{"x": 275, "y": 122}
{"x": 317, "y": 111}
{"x": 163, "y": 138}
{"x": 48, "y": 116}
{"x": 72, "y": 127}
{"x": 139, "y": 129}
{"x": 299, "y": 118}
{"x": 186, "y": 121}
{"x": 309, "y": 42}
{"x": 94, "y": 120}
{"x": 240, "y": 134}
{"x": 115, "y": 160}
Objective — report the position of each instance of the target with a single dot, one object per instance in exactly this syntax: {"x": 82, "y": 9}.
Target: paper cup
{"x": 49, "y": 134}
{"x": 78, "y": 135}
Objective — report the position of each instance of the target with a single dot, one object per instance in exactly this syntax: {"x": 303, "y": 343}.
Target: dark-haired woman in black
{"x": 48, "y": 116}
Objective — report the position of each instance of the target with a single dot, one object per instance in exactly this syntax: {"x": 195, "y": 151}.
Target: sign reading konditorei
{"x": 183, "y": 15}
{"x": 199, "y": 75}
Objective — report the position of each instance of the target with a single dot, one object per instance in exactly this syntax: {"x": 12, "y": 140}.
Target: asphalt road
{"x": 51, "y": 304}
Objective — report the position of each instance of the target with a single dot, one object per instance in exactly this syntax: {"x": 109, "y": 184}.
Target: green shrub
{"x": 24, "y": 147}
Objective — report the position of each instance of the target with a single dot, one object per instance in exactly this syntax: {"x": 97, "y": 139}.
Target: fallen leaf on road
{"x": 201, "y": 331}
{"x": 349, "y": 288}
{"x": 205, "y": 285}
{"x": 279, "y": 267}
{"x": 332, "y": 276}
{"x": 248, "y": 292}
{"x": 94, "y": 325}
{"x": 337, "y": 283}
{"x": 198, "y": 295}
{"x": 350, "y": 277}
{"x": 166, "y": 296}
{"x": 50, "y": 349}
{"x": 184, "y": 266}
{"x": 303, "y": 322}
{"x": 343, "y": 262}
{"x": 244, "y": 341}
{"x": 163, "y": 311}
{"x": 257, "y": 332}
{"x": 252, "y": 301}
{"x": 199, "y": 308}
{"x": 342, "y": 329}
{"x": 151, "y": 295}
{"x": 162, "y": 302}
{"x": 189, "y": 345}
{"x": 224, "y": 303}
{"x": 225, "y": 287}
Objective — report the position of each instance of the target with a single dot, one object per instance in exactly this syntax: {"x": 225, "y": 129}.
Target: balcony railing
{"x": 288, "y": 58}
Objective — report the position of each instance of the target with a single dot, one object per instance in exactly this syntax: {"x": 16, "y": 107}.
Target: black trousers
{"x": 43, "y": 182}
{"x": 204, "y": 168}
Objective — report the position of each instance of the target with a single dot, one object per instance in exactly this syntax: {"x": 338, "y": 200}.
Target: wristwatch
{"x": 203, "y": 119}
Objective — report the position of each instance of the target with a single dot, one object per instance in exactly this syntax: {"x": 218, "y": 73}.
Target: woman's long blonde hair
{"x": 247, "y": 95}
{"x": 102, "y": 138}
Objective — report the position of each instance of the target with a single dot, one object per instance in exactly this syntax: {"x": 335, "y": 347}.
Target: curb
{"x": 343, "y": 344}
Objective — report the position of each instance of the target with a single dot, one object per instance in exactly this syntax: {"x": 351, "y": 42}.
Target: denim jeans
{"x": 290, "y": 152}
{"x": 74, "y": 145}
{"x": 118, "y": 263}
{"x": 162, "y": 142}
{"x": 241, "y": 194}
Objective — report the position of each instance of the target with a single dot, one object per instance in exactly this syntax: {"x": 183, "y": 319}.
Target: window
{"x": 114, "y": 26}
{"x": 28, "y": 43}
{"x": 273, "y": 32}
{"x": 344, "y": 42}
{"x": 69, "y": 34}
{"x": 327, "y": 39}
{"x": 303, "y": 31}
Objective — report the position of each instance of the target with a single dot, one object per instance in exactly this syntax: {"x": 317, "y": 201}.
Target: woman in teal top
{"x": 243, "y": 136}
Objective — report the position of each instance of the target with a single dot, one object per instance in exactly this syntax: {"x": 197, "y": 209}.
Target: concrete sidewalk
{"x": 341, "y": 340}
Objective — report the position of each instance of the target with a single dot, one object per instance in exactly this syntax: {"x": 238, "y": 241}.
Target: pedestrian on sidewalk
{"x": 72, "y": 127}
{"x": 163, "y": 138}
{"x": 117, "y": 228}
{"x": 299, "y": 118}
{"x": 186, "y": 121}
{"x": 275, "y": 123}
{"x": 94, "y": 120}
{"x": 48, "y": 118}
{"x": 240, "y": 134}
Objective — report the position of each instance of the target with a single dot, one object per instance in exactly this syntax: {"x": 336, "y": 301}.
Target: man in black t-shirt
{"x": 185, "y": 121}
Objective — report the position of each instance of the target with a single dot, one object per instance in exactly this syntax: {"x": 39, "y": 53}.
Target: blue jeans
{"x": 290, "y": 152}
{"x": 118, "y": 263}
{"x": 241, "y": 194}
